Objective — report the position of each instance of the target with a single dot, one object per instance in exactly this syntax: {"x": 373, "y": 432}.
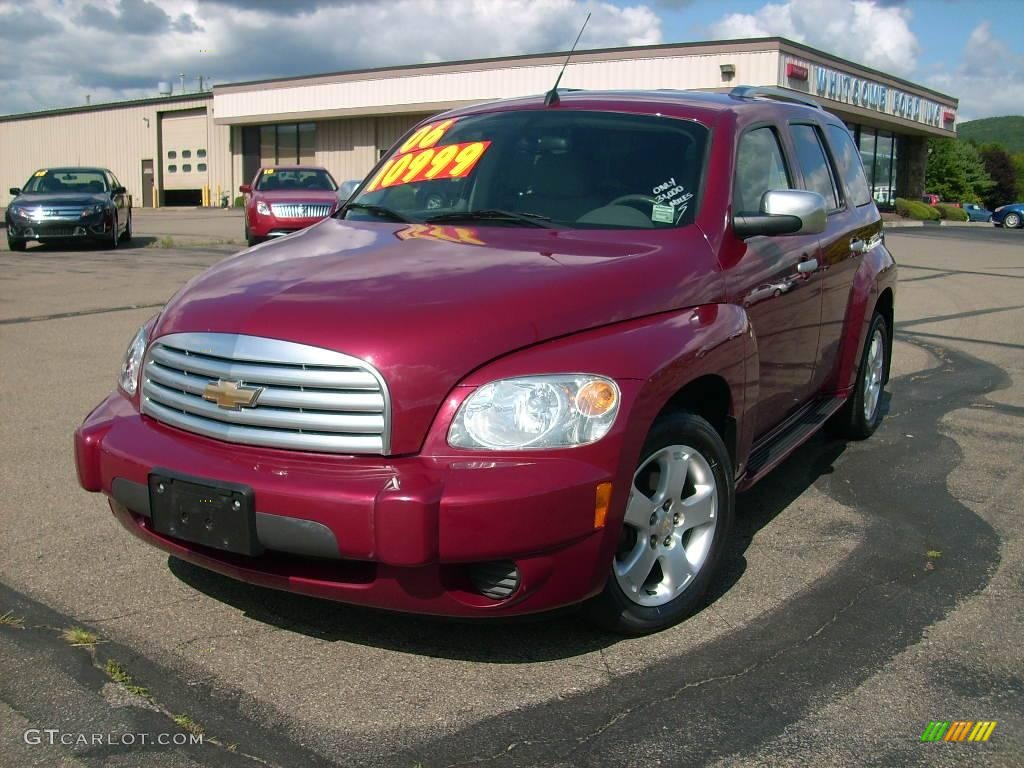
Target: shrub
{"x": 240, "y": 201}
{"x": 951, "y": 212}
{"x": 915, "y": 209}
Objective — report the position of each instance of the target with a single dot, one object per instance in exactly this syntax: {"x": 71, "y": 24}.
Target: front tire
{"x": 109, "y": 242}
{"x": 1011, "y": 220}
{"x": 676, "y": 524}
{"x": 15, "y": 244}
{"x": 862, "y": 413}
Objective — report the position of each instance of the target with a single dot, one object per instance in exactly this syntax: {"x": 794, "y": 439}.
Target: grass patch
{"x": 120, "y": 675}
{"x": 186, "y": 723}
{"x": 10, "y": 620}
{"x": 79, "y": 637}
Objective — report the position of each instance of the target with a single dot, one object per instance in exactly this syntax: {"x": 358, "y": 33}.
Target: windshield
{"x": 567, "y": 167}
{"x": 279, "y": 180}
{"x": 66, "y": 181}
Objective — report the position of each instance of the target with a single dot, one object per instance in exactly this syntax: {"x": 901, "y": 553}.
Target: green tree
{"x": 956, "y": 172}
{"x": 1000, "y": 168}
{"x": 1018, "y": 166}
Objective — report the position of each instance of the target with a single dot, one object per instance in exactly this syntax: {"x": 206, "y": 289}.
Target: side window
{"x": 811, "y": 157}
{"x": 760, "y": 167}
{"x": 850, "y": 167}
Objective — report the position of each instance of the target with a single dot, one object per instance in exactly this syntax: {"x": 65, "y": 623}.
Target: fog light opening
{"x": 496, "y": 579}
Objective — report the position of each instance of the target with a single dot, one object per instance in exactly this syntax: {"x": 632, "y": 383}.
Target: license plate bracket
{"x": 212, "y": 513}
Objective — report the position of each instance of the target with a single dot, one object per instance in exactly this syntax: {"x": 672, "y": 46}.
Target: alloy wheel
{"x": 669, "y": 526}
{"x": 874, "y": 372}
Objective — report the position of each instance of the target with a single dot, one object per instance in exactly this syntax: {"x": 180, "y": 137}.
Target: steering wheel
{"x": 628, "y": 199}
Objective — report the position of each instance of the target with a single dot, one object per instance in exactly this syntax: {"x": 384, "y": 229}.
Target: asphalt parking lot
{"x": 872, "y": 587}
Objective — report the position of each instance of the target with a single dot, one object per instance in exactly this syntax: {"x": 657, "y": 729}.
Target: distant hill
{"x": 1008, "y": 131}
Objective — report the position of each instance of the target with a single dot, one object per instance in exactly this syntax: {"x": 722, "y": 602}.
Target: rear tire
{"x": 127, "y": 236}
{"x": 862, "y": 413}
{"x": 684, "y": 484}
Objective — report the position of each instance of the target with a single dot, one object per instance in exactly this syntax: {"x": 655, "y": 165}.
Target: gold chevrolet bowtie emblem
{"x": 231, "y": 395}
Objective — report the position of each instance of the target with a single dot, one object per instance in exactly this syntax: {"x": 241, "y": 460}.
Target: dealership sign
{"x": 868, "y": 94}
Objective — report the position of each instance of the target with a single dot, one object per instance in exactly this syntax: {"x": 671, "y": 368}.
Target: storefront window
{"x": 881, "y": 181}
{"x": 268, "y": 145}
{"x": 287, "y": 144}
{"x": 307, "y": 142}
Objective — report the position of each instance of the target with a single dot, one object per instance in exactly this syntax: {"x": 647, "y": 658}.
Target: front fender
{"x": 652, "y": 358}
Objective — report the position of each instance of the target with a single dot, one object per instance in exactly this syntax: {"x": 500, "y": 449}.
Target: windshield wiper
{"x": 380, "y": 210}
{"x": 493, "y": 214}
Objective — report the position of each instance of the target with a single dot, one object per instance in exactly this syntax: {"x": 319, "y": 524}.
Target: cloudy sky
{"x": 55, "y": 52}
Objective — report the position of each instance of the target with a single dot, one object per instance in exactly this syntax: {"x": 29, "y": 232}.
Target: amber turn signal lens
{"x": 596, "y": 398}
{"x": 602, "y": 501}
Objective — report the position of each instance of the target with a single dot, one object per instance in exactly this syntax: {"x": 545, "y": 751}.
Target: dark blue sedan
{"x": 1010, "y": 216}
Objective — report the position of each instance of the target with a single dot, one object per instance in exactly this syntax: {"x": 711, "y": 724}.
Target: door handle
{"x": 807, "y": 266}
{"x": 858, "y": 246}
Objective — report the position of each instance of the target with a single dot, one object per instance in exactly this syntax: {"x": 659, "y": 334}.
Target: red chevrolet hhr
{"x": 527, "y": 364}
{"x": 285, "y": 199}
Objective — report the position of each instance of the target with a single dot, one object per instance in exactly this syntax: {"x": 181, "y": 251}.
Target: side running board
{"x": 771, "y": 449}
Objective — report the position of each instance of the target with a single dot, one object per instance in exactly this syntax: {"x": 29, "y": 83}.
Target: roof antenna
{"x": 551, "y": 97}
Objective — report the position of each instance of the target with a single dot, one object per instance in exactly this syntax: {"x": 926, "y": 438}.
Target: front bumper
{"x": 261, "y": 225}
{"x": 96, "y": 225}
{"x": 397, "y": 533}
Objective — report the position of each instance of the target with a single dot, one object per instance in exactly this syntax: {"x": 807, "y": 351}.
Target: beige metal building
{"x": 169, "y": 150}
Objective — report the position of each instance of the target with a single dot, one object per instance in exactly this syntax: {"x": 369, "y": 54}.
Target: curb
{"x": 942, "y": 223}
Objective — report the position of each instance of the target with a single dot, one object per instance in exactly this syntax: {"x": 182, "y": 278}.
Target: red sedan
{"x": 285, "y": 199}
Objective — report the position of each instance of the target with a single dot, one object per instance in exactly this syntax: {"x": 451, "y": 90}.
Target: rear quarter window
{"x": 850, "y": 167}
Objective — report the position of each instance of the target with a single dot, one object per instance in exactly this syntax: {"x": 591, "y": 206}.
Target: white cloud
{"x": 61, "y": 50}
{"x": 989, "y": 80}
{"x": 863, "y": 31}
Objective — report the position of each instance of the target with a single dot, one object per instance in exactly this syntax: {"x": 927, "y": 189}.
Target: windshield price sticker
{"x": 426, "y": 136}
{"x": 40, "y": 173}
{"x": 452, "y": 161}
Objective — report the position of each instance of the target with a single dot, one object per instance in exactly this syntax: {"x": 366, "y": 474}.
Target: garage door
{"x": 183, "y": 143}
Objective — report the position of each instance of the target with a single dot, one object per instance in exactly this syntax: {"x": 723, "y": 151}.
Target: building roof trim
{"x": 592, "y": 54}
{"x": 108, "y": 105}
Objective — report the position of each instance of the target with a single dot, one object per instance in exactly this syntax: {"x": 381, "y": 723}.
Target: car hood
{"x": 428, "y": 305}
{"x": 60, "y": 198}
{"x": 296, "y": 195}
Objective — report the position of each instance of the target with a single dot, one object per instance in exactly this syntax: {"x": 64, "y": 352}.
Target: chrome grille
{"x": 300, "y": 210}
{"x": 48, "y": 212}
{"x": 311, "y": 399}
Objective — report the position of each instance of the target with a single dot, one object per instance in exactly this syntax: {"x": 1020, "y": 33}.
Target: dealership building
{"x": 195, "y": 148}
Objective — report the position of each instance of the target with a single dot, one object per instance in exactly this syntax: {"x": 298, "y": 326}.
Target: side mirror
{"x": 15, "y": 191}
{"x": 245, "y": 189}
{"x": 346, "y": 188}
{"x": 119, "y": 190}
{"x": 785, "y": 212}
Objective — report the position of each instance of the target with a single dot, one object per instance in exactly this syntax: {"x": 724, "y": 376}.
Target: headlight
{"x": 132, "y": 364}
{"x": 535, "y": 412}
{"x": 92, "y": 209}
{"x": 22, "y": 213}
{"x": 997, "y": 210}
{"x": 262, "y": 208}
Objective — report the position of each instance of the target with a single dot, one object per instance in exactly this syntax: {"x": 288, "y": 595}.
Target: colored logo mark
{"x": 958, "y": 730}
